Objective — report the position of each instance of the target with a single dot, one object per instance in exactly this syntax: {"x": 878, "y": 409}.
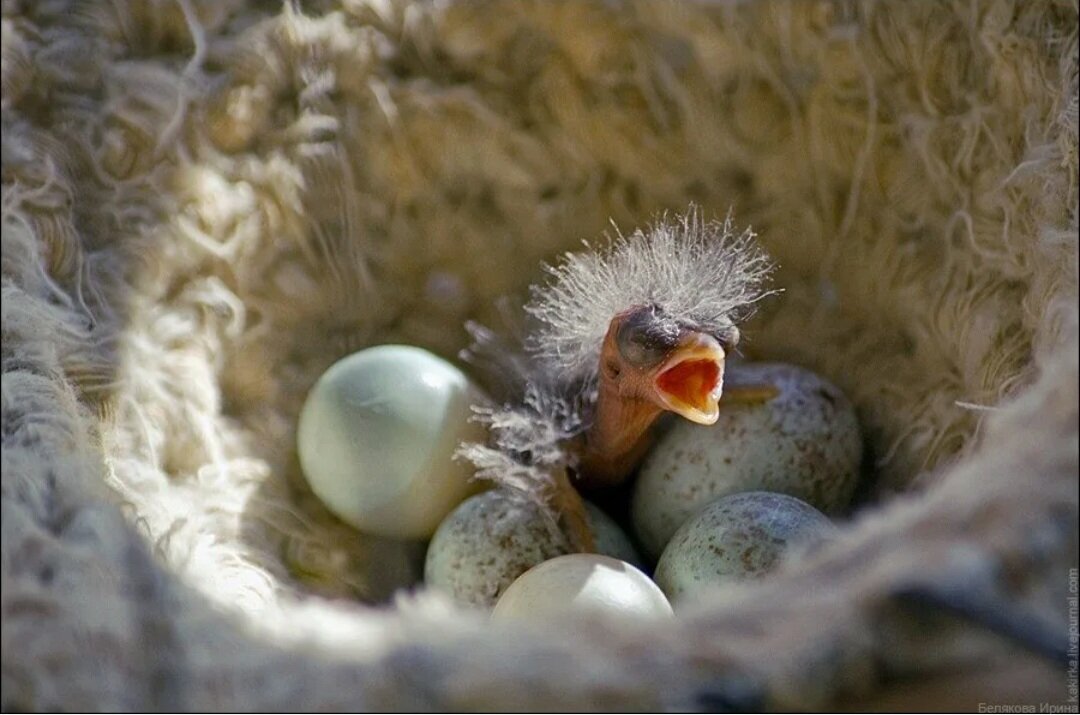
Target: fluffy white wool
{"x": 206, "y": 203}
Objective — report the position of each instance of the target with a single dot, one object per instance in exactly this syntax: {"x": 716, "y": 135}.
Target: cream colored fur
{"x": 207, "y": 203}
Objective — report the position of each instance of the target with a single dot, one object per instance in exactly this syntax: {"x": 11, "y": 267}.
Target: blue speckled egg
{"x": 491, "y": 539}
{"x": 737, "y": 537}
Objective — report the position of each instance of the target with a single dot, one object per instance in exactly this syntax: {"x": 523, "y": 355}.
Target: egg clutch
{"x": 715, "y": 504}
{"x": 623, "y": 385}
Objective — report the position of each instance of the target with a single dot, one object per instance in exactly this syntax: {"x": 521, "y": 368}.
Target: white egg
{"x": 377, "y": 437}
{"x": 582, "y": 584}
{"x": 804, "y": 442}
{"x": 490, "y": 540}
{"x": 737, "y": 537}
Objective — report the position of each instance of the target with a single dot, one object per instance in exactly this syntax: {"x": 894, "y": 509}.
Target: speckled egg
{"x": 609, "y": 538}
{"x": 737, "y": 537}
{"x": 582, "y": 585}
{"x": 804, "y": 442}
{"x": 377, "y": 436}
{"x": 490, "y": 540}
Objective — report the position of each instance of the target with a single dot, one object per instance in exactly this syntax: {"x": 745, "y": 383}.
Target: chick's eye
{"x": 645, "y": 338}
{"x": 639, "y": 354}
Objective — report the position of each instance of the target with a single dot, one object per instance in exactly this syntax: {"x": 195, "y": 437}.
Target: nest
{"x": 207, "y": 203}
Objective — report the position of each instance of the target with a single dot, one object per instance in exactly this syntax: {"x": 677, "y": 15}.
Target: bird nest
{"x": 205, "y": 204}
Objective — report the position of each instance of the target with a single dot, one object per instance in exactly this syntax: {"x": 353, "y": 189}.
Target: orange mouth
{"x": 690, "y": 382}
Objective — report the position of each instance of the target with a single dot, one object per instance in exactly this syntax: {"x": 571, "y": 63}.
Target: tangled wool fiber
{"x": 207, "y": 203}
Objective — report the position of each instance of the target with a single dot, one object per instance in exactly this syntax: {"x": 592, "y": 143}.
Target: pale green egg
{"x": 737, "y": 537}
{"x": 377, "y": 437}
{"x": 578, "y": 585}
{"x": 805, "y": 442}
{"x": 491, "y": 539}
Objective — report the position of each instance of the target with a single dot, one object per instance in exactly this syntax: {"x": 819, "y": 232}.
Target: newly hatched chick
{"x": 620, "y": 336}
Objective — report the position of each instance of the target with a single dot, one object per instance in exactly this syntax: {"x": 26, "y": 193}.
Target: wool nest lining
{"x": 206, "y": 203}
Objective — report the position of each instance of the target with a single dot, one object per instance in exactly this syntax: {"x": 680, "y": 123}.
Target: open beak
{"x": 690, "y": 381}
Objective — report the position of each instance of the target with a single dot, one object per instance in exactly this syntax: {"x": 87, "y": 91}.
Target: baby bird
{"x": 618, "y": 337}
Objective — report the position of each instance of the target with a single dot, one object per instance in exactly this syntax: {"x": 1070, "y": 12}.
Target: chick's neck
{"x": 617, "y": 439}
